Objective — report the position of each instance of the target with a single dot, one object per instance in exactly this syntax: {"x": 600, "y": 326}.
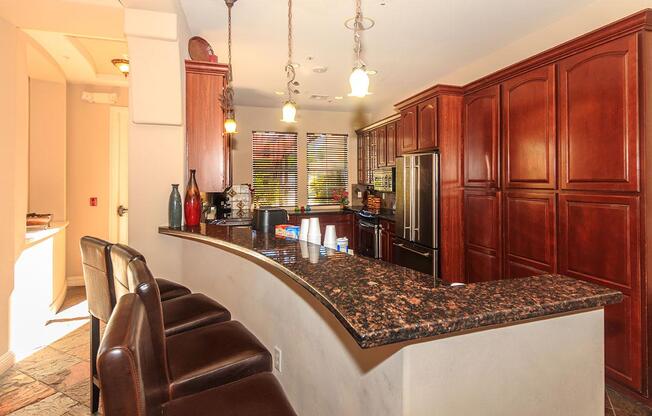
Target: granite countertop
{"x": 381, "y": 303}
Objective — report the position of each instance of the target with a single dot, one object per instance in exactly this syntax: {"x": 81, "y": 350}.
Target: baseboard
{"x": 7, "y": 360}
{"x": 75, "y": 281}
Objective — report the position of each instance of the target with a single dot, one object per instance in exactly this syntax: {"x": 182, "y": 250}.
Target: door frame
{"x": 116, "y": 117}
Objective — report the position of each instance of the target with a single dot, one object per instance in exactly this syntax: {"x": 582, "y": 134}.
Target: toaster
{"x": 266, "y": 218}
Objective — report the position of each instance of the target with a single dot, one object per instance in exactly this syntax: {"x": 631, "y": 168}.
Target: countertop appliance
{"x": 266, "y": 218}
{"x": 368, "y": 235}
{"x": 417, "y": 212}
{"x": 384, "y": 180}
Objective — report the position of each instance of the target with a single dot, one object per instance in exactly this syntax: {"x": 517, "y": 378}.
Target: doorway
{"x": 119, "y": 175}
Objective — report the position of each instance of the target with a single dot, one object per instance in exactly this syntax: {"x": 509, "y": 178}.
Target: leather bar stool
{"x": 201, "y": 358}
{"x": 135, "y": 381}
{"x": 179, "y": 314}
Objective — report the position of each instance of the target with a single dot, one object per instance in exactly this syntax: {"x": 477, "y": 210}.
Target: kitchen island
{"x": 362, "y": 336}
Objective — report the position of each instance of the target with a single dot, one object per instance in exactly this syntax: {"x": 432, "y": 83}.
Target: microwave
{"x": 384, "y": 180}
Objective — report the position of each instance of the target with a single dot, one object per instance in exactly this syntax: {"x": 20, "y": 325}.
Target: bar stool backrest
{"x": 96, "y": 267}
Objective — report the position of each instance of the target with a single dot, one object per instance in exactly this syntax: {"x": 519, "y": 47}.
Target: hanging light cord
{"x": 289, "y": 68}
{"x": 227, "y": 97}
{"x": 357, "y": 28}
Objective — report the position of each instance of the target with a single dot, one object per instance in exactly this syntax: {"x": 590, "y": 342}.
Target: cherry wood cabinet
{"x": 482, "y": 235}
{"x": 482, "y": 138}
{"x": 391, "y": 144}
{"x": 408, "y": 136}
{"x": 427, "y": 125}
{"x": 362, "y": 159}
{"x": 381, "y": 146}
{"x": 529, "y": 129}
{"x": 386, "y": 236}
{"x": 599, "y": 241}
{"x": 530, "y": 238}
{"x": 598, "y": 117}
{"x": 207, "y": 146}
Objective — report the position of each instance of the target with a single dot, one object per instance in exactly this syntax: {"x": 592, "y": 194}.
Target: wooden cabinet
{"x": 481, "y": 138}
{"x": 530, "y": 221}
{"x": 372, "y": 155}
{"x": 391, "y": 144}
{"x": 529, "y": 123}
{"x": 208, "y": 147}
{"x": 408, "y": 137}
{"x": 362, "y": 157}
{"x": 599, "y": 241}
{"x": 427, "y": 125}
{"x": 482, "y": 235}
{"x": 381, "y": 146}
{"x": 386, "y": 237}
{"x": 343, "y": 222}
{"x": 598, "y": 117}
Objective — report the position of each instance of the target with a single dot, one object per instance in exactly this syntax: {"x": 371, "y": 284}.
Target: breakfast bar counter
{"x": 362, "y": 336}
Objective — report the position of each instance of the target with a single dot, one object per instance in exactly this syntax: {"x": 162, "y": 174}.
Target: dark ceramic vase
{"x": 175, "y": 207}
{"x": 192, "y": 203}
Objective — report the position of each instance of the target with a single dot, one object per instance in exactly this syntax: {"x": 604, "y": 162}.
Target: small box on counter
{"x": 287, "y": 231}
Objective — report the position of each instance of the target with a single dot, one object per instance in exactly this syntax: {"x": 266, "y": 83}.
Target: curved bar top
{"x": 381, "y": 303}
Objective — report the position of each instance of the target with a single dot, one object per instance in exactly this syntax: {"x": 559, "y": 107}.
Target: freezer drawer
{"x": 415, "y": 256}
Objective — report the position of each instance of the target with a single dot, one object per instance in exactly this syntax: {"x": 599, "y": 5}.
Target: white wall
{"x": 269, "y": 119}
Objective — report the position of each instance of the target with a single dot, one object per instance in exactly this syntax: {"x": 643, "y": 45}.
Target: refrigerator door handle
{"x": 416, "y": 233}
{"x": 407, "y": 193}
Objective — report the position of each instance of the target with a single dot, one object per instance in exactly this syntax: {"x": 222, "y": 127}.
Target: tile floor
{"x": 53, "y": 380}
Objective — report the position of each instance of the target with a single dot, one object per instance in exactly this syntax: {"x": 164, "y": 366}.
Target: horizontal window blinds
{"x": 327, "y": 167}
{"x": 275, "y": 168}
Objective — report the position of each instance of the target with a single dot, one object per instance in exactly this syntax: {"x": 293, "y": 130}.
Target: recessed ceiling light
{"x": 320, "y": 69}
{"x": 338, "y": 97}
{"x": 371, "y": 72}
{"x": 310, "y": 58}
{"x": 279, "y": 92}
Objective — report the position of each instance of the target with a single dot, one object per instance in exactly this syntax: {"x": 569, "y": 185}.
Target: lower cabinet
{"x": 530, "y": 221}
{"x": 386, "y": 237}
{"x": 343, "y": 222}
{"x": 599, "y": 242}
{"x": 482, "y": 235}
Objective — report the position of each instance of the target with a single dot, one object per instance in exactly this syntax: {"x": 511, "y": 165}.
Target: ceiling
{"x": 413, "y": 44}
{"x": 80, "y": 36}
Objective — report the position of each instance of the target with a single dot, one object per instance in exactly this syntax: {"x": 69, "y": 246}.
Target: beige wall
{"x": 87, "y": 170}
{"x": 308, "y": 121}
{"x": 47, "y": 148}
{"x": 13, "y": 167}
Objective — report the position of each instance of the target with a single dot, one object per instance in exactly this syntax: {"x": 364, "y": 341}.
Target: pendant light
{"x": 359, "y": 80}
{"x": 230, "y": 125}
{"x": 290, "y": 108}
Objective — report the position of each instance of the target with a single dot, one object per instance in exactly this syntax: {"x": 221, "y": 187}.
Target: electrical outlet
{"x": 277, "y": 359}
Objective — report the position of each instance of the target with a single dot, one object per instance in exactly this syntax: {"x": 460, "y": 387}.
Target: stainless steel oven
{"x": 368, "y": 235}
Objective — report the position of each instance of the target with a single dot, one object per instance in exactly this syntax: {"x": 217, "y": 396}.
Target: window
{"x": 327, "y": 167}
{"x": 275, "y": 168}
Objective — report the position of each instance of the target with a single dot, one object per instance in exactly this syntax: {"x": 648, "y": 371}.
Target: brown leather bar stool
{"x": 201, "y": 358}
{"x": 135, "y": 381}
{"x": 179, "y": 314}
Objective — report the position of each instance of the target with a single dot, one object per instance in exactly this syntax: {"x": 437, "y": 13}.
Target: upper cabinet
{"x": 427, "y": 125}
{"x": 598, "y": 117}
{"x": 408, "y": 138}
{"x": 208, "y": 147}
{"x": 528, "y": 110}
{"x": 362, "y": 157}
{"x": 381, "y": 146}
{"x": 391, "y": 144}
{"x": 481, "y": 138}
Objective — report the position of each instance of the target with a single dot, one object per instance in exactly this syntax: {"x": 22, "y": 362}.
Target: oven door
{"x": 368, "y": 239}
{"x": 416, "y": 257}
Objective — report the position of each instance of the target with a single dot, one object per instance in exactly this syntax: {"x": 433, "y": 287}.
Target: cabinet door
{"x": 381, "y": 146}
{"x": 481, "y": 138}
{"x": 599, "y": 241}
{"x": 391, "y": 144}
{"x": 598, "y": 118}
{"x": 372, "y": 161}
{"x": 362, "y": 156}
{"x": 427, "y": 125}
{"x": 408, "y": 137}
{"x": 530, "y": 233}
{"x": 207, "y": 145}
{"x": 529, "y": 120}
{"x": 482, "y": 235}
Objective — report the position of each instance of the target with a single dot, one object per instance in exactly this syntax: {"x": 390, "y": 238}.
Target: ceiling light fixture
{"x": 230, "y": 126}
{"x": 121, "y": 64}
{"x": 359, "y": 80}
{"x": 290, "y": 108}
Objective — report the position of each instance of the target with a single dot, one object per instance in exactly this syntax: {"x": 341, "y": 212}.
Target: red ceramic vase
{"x": 192, "y": 202}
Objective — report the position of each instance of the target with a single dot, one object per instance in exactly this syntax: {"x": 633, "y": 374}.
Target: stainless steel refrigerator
{"x": 417, "y": 213}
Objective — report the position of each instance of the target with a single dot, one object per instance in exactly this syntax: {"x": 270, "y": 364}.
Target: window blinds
{"x": 327, "y": 167}
{"x": 275, "y": 168}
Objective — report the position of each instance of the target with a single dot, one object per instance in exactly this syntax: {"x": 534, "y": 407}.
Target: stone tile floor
{"x": 53, "y": 380}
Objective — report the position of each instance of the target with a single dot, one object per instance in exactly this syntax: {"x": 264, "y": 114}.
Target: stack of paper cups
{"x": 303, "y": 232}
{"x": 330, "y": 239}
{"x": 314, "y": 232}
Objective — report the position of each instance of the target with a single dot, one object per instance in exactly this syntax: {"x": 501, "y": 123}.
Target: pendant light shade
{"x": 230, "y": 125}
{"x": 359, "y": 81}
{"x": 289, "y": 112}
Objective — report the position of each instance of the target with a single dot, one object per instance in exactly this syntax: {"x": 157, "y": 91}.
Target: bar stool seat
{"x": 257, "y": 395}
{"x": 191, "y": 311}
{"x": 170, "y": 290}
